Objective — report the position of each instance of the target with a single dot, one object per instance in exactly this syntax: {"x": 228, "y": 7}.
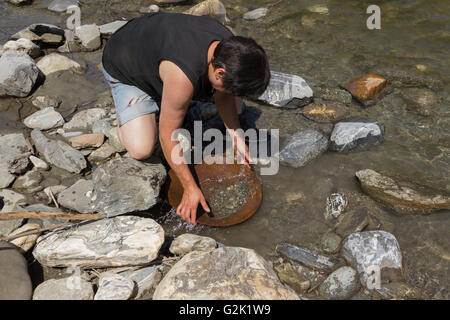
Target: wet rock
{"x": 109, "y": 29}
{"x": 39, "y": 164}
{"x": 44, "y": 119}
{"x": 285, "y": 89}
{"x": 102, "y": 153}
{"x": 341, "y": 284}
{"x": 12, "y": 202}
{"x": 186, "y": 243}
{"x": 318, "y": 9}
{"x": 329, "y": 112}
{"x": 15, "y": 283}
{"x": 88, "y": 36}
{"x": 255, "y": 14}
{"x": 18, "y": 164}
{"x": 149, "y": 9}
{"x": 210, "y": 8}
{"x": 55, "y": 62}
{"x": 307, "y": 257}
{"x": 348, "y": 134}
{"x": 113, "y": 286}
{"x": 18, "y": 74}
{"x": 43, "y": 32}
{"x": 375, "y": 255}
{"x": 336, "y": 204}
{"x": 85, "y": 119}
{"x": 302, "y": 147}
{"x": 22, "y": 44}
{"x": 335, "y": 94}
{"x": 143, "y": 181}
{"x": 90, "y": 140}
{"x": 43, "y": 102}
{"x": 58, "y": 153}
{"x": 398, "y": 291}
{"x": 115, "y": 141}
{"x": 293, "y": 279}
{"x": 6, "y": 178}
{"x": 61, "y": 5}
{"x": 71, "y": 288}
{"x": 403, "y": 196}
{"x": 26, "y": 242}
{"x": 224, "y": 273}
{"x": 365, "y": 87}
{"x": 168, "y": 1}
{"x": 420, "y": 100}
{"x": 120, "y": 241}
{"x": 77, "y": 197}
{"x": 29, "y": 182}
{"x": 20, "y": 2}
{"x": 353, "y": 221}
{"x": 146, "y": 280}
{"x": 331, "y": 242}
{"x": 102, "y": 126}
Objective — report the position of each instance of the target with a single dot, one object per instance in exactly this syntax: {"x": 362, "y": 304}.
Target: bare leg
{"x": 139, "y": 136}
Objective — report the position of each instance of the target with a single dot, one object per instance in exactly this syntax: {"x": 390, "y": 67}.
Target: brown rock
{"x": 91, "y": 140}
{"x": 420, "y": 100}
{"x": 332, "y": 112}
{"x": 210, "y": 8}
{"x": 365, "y": 87}
{"x": 352, "y": 221}
{"x": 102, "y": 153}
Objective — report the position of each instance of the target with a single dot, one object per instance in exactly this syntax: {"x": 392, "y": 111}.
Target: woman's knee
{"x": 140, "y": 151}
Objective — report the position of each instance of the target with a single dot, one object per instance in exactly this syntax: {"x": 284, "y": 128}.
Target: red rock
{"x": 91, "y": 140}
{"x": 366, "y": 87}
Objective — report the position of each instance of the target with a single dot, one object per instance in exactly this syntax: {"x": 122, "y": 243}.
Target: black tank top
{"x": 132, "y": 55}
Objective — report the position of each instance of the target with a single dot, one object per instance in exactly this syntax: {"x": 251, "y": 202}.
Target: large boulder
{"x": 18, "y": 74}
{"x": 229, "y": 273}
{"x": 116, "y": 242}
{"x": 58, "y": 153}
{"x": 143, "y": 183}
{"x": 365, "y": 87}
{"x": 405, "y": 197}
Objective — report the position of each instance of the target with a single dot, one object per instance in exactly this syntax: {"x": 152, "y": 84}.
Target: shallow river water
{"x": 326, "y": 42}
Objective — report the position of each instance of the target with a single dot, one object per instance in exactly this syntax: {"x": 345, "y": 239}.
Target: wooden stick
{"x": 40, "y": 230}
{"x": 53, "y": 197}
{"x": 50, "y": 215}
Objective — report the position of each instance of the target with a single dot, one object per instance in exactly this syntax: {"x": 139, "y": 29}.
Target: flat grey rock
{"x": 375, "y": 255}
{"x": 341, "y": 284}
{"x": 61, "y": 5}
{"x": 12, "y": 202}
{"x": 255, "y": 14}
{"x": 302, "y": 147}
{"x": 88, "y": 36}
{"x": 113, "y": 286}
{"x": 58, "y": 153}
{"x": 143, "y": 183}
{"x": 85, "y": 119}
{"x": 55, "y": 62}
{"x": 18, "y": 74}
{"x": 286, "y": 89}
{"x": 71, "y": 288}
{"x": 146, "y": 280}
{"x": 78, "y": 196}
{"x": 307, "y": 257}
{"x": 102, "y": 126}
{"x": 115, "y": 242}
{"x": 347, "y": 135}
{"x": 6, "y": 178}
{"x": 229, "y": 273}
{"x": 12, "y": 145}
{"x": 109, "y": 28}
{"x": 44, "y": 119}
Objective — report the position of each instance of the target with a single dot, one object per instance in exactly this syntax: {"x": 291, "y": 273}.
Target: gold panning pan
{"x": 215, "y": 176}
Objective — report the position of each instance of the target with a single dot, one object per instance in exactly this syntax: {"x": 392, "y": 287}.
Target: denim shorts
{"x": 123, "y": 94}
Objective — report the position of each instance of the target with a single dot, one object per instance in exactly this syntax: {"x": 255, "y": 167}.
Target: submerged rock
{"x": 341, "y": 284}
{"x": 420, "y": 100}
{"x": 143, "y": 181}
{"x": 348, "y": 134}
{"x": 331, "y": 242}
{"x": 307, "y": 257}
{"x": 365, "y": 87}
{"x": 55, "y": 62}
{"x": 113, "y": 286}
{"x": 403, "y": 196}
{"x": 71, "y": 288}
{"x": 285, "y": 89}
{"x": 223, "y": 273}
{"x": 293, "y": 279}
{"x": 256, "y": 14}
{"x": 58, "y": 153}
{"x": 302, "y": 147}
{"x": 22, "y": 44}
{"x": 375, "y": 255}
{"x": 15, "y": 282}
{"x": 78, "y": 196}
{"x": 44, "y": 119}
{"x": 115, "y": 242}
{"x": 210, "y": 8}
{"x": 18, "y": 74}
{"x": 186, "y": 243}
{"x": 329, "y": 112}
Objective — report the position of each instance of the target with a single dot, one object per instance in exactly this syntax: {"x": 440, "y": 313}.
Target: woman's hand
{"x": 187, "y": 208}
{"x": 241, "y": 150}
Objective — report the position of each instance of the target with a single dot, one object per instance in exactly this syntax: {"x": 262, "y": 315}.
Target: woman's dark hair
{"x": 246, "y": 66}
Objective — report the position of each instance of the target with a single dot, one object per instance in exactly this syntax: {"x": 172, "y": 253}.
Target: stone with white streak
{"x": 116, "y": 242}
{"x": 375, "y": 255}
{"x": 88, "y": 36}
{"x": 85, "y": 119}
{"x": 44, "y": 119}
{"x": 187, "y": 242}
{"x": 113, "y": 286}
{"x": 302, "y": 147}
{"x": 224, "y": 273}
{"x": 146, "y": 280}
{"x": 347, "y": 135}
{"x": 18, "y": 74}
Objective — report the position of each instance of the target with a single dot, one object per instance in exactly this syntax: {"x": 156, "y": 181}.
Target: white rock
{"x": 186, "y": 243}
{"x": 85, "y": 119}
{"x": 146, "y": 280}
{"x": 89, "y": 36}
{"x": 26, "y": 242}
{"x": 110, "y": 28}
{"x": 12, "y": 145}
{"x": 341, "y": 284}
{"x": 77, "y": 197}
{"x": 61, "y": 5}
{"x": 120, "y": 241}
{"x": 24, "y": 45}
{"x": 55, "y": 62}
{"x": 44, "y": 119}
{"x": 39, "y": 164}
{"x": 18, "y": 74}
{"x": 113, "y": 286}
{"x": 255, "y": 14}
{"x": 71, "y": 288}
